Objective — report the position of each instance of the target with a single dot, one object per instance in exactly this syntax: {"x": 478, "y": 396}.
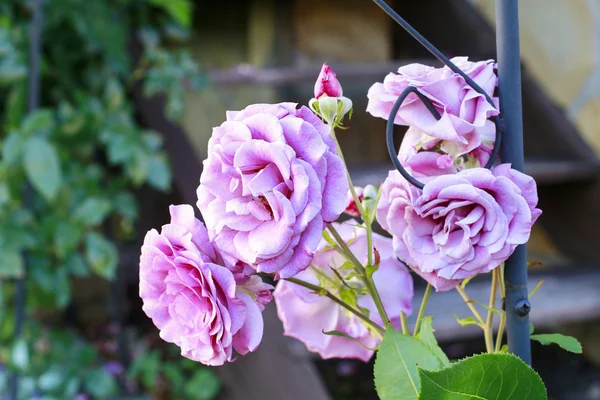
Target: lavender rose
{"x": 271, "y": 183}
{"x": 464, "y": 112}
{"x": 459, "y": 225}
{"x": 194, "y": 300}
{"x": 306, "y": 315}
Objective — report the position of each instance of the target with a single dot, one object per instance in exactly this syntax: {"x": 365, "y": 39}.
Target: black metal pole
{"x": 509, "y": 84}
{"x": 33, "y": 103}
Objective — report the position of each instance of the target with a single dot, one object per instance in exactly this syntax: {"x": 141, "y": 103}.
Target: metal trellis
{"x": 509, "y": 144}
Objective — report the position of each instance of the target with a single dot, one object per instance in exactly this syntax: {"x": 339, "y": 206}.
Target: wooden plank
{"x": 246, "y": 74}
{"x": 569, "y": 295}
{"x": 545, "y": 172}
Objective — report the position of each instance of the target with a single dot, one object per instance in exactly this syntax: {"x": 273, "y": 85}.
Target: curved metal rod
{"x": 432, "y": 49}
{"x": 431, "y": 108}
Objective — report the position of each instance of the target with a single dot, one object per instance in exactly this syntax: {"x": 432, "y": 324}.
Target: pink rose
{"x": 271, "y": 183}
{"x": 327, "y": 83}
{"x": 306, "y": 315}
{"x": 193, "y": 300}
{"x": 464, "y": 112}
{"x": 459, "y": 225}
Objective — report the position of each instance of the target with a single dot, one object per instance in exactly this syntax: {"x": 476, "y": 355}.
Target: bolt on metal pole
{"x": 509, "y": 85}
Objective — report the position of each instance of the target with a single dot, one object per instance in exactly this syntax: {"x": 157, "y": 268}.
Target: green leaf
{"x": 427, "y": 337}
{"x": 100, "y": 384}
{"x": 16, "y": 106}
{"x": 42, "y": 167}
{"x": 466, "y": 321}
{"x": 345, "y": 335}
{"x": 204, "y": 385}
{"x": 485, "y": 376}
{"x": 159, "y": 173}
{"x": 11, "y": 264}
{"x": 20, "y": 355}
{"x": 51, "y": 379}
{"x": 568, "y": 343}
{"x": 396, "y": 375}
{"x": 101, "y": 254}
{"x": 13, "y": 147}
{"x": 39, "y": 121}
{"x": 66, "y": 237}
{"x": 4, "y": 193}
{"x": 92, "y": 211}
{"x": 179, "y": 10}
{"x": 77, "y": 266}
{"x": 126, "y": 205}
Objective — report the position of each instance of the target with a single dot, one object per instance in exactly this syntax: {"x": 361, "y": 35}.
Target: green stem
{"x": 326, "y": 293}
{"x": 360, "y": 269}
{"x": 361, "y": 209}
{"x": 469, "y": 304}
{"x": 489, "y": 329}
{"x": 422, "y": 310}
{"x": 369, "y": 243}
{"x": 404, "y": 322}
{"x": 502, "y": 312}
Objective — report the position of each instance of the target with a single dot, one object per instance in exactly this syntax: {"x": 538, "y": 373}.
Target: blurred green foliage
{"x": 81, "y": 154}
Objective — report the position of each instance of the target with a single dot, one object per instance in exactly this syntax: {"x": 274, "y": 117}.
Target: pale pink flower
{"x": 464, "y": 112}
{"x": 271, "y": 183}
{"x": 192, "y": 298}
{"x": 459, "y": 225}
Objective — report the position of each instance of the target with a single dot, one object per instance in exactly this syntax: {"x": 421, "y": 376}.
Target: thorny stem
{"x": 363, "y": 273}
{"x": 488, "y": 330}
{"x": 322, "y": 291}
{"x": 469, "y": 304}
{"x": 422, "y": 310}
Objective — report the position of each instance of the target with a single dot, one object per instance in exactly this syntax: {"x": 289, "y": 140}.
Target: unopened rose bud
{"x": 352, "y": 208}
{"x": 328, "y": 102}
{"x": 327, "y": 83}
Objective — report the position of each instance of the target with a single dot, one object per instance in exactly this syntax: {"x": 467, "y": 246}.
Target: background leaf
{"x": 101, "y": 254}
{"x": 42, "y": 167}
{"x": 484, "y": 376}
{"x": 568, "y": 343}
{"x": 396, "y": 375}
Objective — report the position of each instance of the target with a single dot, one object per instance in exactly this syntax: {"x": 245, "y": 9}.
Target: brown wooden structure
{"x": 284, "y": 43}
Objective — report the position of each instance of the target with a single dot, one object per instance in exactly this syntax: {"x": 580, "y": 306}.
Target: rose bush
{"x": 193, "y": 298}
{"x": 305, "y": 315}
{"x": 459, "y": 225}
{"x": 271, "y": 183}
{"x": 464, "y": 112}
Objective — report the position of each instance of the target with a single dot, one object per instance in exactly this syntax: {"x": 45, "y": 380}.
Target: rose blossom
{"x": 459, "y": 225}
{"x": 306, "y": 315}
{"x": 270, "y": 184}
{"x": 464, "y": 112}
{"x": 192, "y": 299}
{"x": 327, "y": 83}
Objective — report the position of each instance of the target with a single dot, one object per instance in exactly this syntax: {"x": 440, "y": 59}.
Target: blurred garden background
{"x": 127, "y": 95}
